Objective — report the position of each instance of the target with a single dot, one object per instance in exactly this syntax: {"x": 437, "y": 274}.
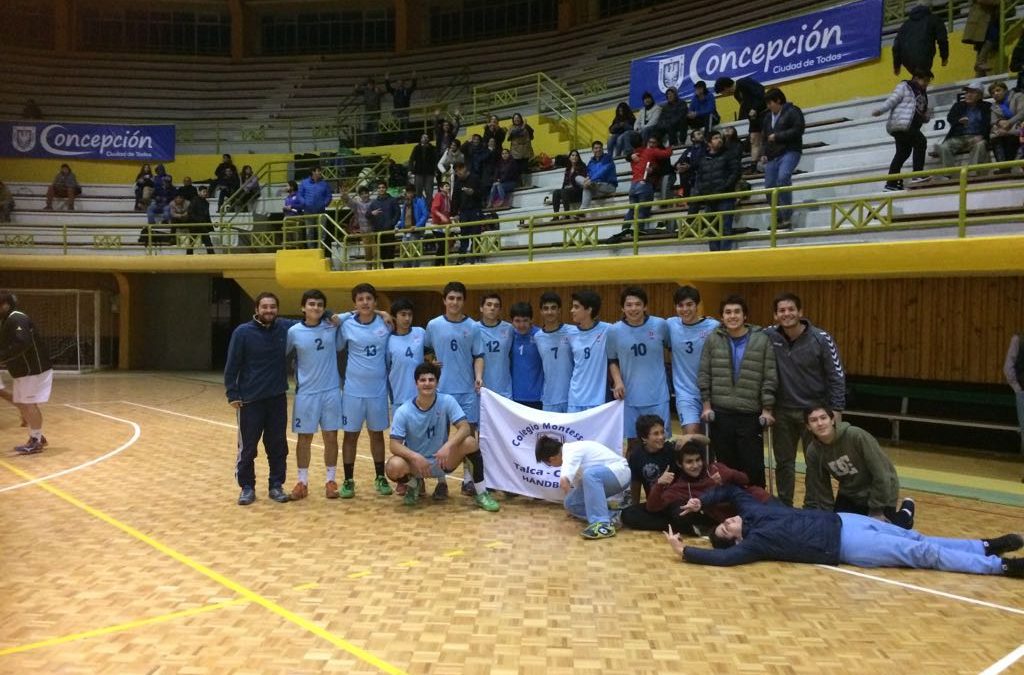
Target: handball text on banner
{"x": 509, "y": 432}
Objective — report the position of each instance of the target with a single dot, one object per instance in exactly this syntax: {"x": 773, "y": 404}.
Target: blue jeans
{"x": 155, "y": 210}
{"x": 640, "y": 191}
{"x": 778, "y": 172}
{"x": 589, "y": 499}
{"x": 866, "y": 542}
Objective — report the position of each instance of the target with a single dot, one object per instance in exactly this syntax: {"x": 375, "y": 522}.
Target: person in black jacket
{"x": 914, "y": 45}
{"x": 672, "y": 121}
{"x": 970, "y": 122}
{"x": 783, "y": 126}
{"x": 772, "y": 532}
{"x": 750, "y": 95}
{"x": 423, "y": 165}
{"x": 24, "y": 354}
{"x": 717, "y": 173}
{"x": 199, "y": 215}
{"x": 383, "y": 216}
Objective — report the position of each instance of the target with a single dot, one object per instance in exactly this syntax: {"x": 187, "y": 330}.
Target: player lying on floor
{"x": 769, "y": 532}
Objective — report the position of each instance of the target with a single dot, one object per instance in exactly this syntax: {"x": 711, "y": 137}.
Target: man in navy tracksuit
{"x": 256, "y": 380}
{"x": 776, "y": 532}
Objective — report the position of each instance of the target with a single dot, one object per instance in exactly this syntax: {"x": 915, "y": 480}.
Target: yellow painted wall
{"x": 199, "y": 167}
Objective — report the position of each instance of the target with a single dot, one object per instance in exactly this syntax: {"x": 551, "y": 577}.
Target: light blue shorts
{"x": 558, "y": 407}
{"x": 470, "y": 404}
{"x": 689, "y": 409}
{"x": 320, "y": 410}
{"x": 356, "y": 412}
{"x": 630, "y": 414}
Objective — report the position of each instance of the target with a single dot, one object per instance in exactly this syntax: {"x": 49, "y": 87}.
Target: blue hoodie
{"x": 602, "y": 170}
{"x": 315, "y": 195}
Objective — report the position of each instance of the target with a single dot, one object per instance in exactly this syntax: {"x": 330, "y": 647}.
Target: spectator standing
{"x": 227, "y": 185}
{"x": 372, "y": 94}
{"x": 520, "y": 143}
{"x": 468, "y": 204}
{"x": 647, "y": 117}
{"x": 316, "y": 194}
{"x": 914, "y": 46}
{"x": 1007, "y": 114}
{"x": 401, "y": 101}
{"x": 250, "y": 188}
{"x": 225, "y": 163}
{"x": 199, "y": 216}
{"x": 474, "y": 153}
{"x": 25, "y": 356}
{"x": 440, "y": 218}
{"x": 1013, "y": 369}
{"x": 423, "y": 165}
{"x": 737, "y": 382}
{"x": 412, "y": 219}
{"x": 703, "y": 113}
{"x": 689, "y": 162}
{"x": 488, "y": 162}
{"x": 451, "y": 156}
{"x": 445, "y": 130}
{"x": 981, "y": 31}
{"x": 494, "y": 130}
{"x": 6, "y": 203}
{"x": 908, "y": 110}
{"x": 601, "y": 179}
{"x": 970, "y": 121}
{"x": 810, "y": 373}
{"x": 749, "y": 93}
{"x": 717, "y": 173}
{"x": 571, "y": 192}
{"x": 359, "y": 205}
{"x": 294, "y": 205}
{"x": 783, "y": 126}
{"x": 672, "y": 121}
{"x": 383, "y": 214}
{"x": 641, "y": 190}
{"x": 64, "y": 186}
{"x": 619, "y": 131}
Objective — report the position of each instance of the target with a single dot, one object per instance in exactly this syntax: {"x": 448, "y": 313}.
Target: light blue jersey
{"x": 639, "y": 351}
{"x": 556, "y": 357}
{"x": 686, "y": 343}
{"x": 494, "y": 345}
{"x": 367, "y": 373}
{"x": 588, "y": 386}
{"x": 405, "y": 352}
{"x": 316, "y": 355}
{"x": 425, "y": 431}
{"x": 452, "y": 343}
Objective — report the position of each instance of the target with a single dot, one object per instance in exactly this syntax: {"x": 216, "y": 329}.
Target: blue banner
{"x": 803, "y": 45}
{"x": 77, "y": 140}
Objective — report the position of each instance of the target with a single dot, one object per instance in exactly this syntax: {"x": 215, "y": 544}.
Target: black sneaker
{"x": 246, "y": 496}
{"x": 1013, "y": 567}
{"x": 1004, "y": 544}
{"x": 907, "y": 506}
{"x": 441, "y": 491}
{"x": 278, "y": 494}
{"x": 468, "y": 488}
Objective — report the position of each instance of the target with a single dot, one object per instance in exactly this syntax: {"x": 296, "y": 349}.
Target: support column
{"x": 237, "y": 29}
{"x": 566, "y": 15}
{"x": 63, "y": 26}
{"x": 402, "y": 26}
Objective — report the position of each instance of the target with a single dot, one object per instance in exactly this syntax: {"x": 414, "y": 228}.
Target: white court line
{"x": 923, "y": 589}
{"x": 1005, "y": 662}
{"x": 131, "y": 441}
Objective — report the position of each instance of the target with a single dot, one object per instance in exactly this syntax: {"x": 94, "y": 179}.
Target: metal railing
{"x": 535, "y": 91}
{"x": 671, "y": 226}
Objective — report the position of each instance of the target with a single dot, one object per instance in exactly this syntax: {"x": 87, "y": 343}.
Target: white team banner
{"x": 509, "y": 432}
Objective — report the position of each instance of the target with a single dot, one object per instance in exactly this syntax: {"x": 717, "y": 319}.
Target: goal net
{"x": 78, "y": 326}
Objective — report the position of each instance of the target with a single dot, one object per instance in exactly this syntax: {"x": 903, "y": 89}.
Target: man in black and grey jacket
{"x": 810, "y": 372}
{"x": 24, "y": 354}
{"x": 717, "y": 172}
{"x": 783, "y": 128}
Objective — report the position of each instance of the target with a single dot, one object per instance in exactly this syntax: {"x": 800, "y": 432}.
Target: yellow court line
{"x": 121, "y": 627}
{"x": 238, "y": 588}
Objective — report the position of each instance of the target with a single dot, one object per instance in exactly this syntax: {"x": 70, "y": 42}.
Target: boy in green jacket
{"x": 868, "y": 483}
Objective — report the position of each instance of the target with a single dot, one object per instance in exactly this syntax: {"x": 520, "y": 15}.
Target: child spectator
{"x": 620, "y": 130}
{"x": 908, "y": 110}
{"x": 591, "y": 473}
{"x": 571, "y": 192}
{"x": 672, "y": 121}
{"x": 520, "y": 143}
{"x": 647, "y": 117}
{"x": 495, "y": 131}
{"x": 1007, "y": 114}
{"x": 64, "y": 186}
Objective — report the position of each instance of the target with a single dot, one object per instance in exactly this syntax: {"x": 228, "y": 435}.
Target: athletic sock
{"x": 349, "y": 469}
{"x": 36, "y": 433}
{"x": 331, "y": 472}
{"x": 467, "y": 471}
{"x": 304, "y": 476}
{"x": 379, "y": 468}
{"x": 476, "y": 460}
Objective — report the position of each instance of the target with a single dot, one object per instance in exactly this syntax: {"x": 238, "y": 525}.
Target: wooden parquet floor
{"x": 141, "y": 563}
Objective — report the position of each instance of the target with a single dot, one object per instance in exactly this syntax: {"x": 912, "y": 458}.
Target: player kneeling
{"x": 421, "y": 446}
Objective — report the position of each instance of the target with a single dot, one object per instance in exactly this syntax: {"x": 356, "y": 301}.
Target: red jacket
{"x": 683, "y": 488}
{"x": 648, "y": 156}
{"x": 440, "y": 208}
